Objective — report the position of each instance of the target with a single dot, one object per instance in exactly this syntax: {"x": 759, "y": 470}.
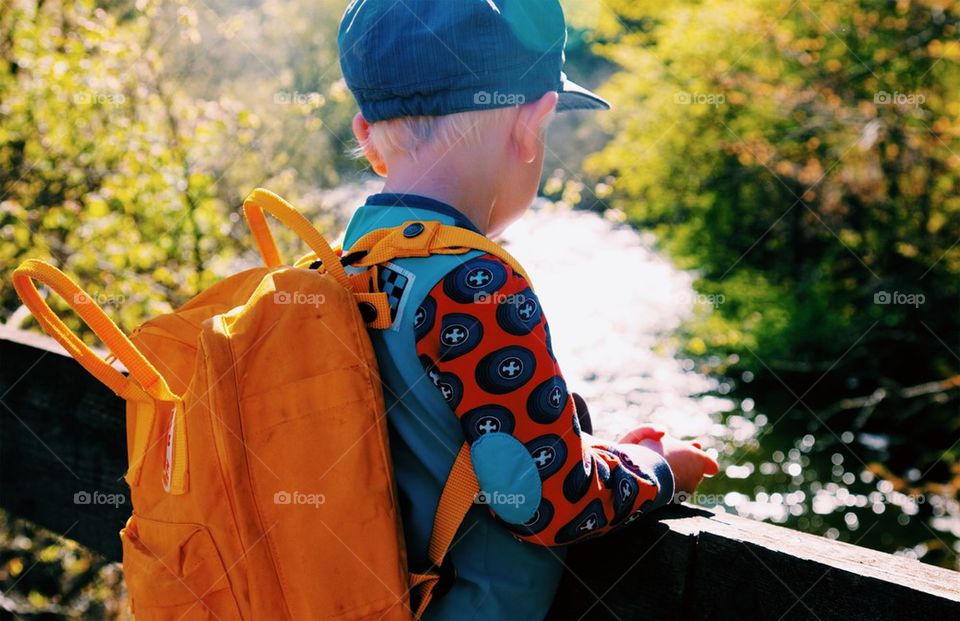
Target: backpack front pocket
{"x": 174, "y": 571}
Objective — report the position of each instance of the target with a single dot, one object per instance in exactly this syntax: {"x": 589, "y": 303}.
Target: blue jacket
{"x": 498, "y": 576}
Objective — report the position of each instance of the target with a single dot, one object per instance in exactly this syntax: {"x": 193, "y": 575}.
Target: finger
{"x": 644, "y": 432}
{"x": 710, "y": 465}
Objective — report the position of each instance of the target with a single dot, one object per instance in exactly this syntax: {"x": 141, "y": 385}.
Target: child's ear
{"x": 532, "y": 120}
{"x": 361, "y": 129}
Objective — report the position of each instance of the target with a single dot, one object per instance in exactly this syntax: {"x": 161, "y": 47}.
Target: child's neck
{"x": 466, "y": 191}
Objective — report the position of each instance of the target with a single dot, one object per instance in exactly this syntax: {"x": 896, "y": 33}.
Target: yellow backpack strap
{"x": 421, "y": 239}
{"x": 260, "y": 201}
{"x": 144, "y": 379}
{"x": 459, "y": 493}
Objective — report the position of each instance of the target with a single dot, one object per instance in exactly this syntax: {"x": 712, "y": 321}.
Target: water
{"x": 612, "y": 302}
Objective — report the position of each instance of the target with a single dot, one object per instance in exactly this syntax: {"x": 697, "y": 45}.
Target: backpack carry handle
{"x": 260, "y": 201}
{"x": 143, "y": 373}
{"x": 144, "y": 379}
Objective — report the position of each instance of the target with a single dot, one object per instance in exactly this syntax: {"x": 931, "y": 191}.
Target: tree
{"x": 804, "y": 158}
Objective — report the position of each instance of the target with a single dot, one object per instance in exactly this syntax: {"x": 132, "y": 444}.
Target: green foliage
{"x": 129, "y": 136}
{"x": 803, "y": 159}
{"x": 759, "y": 139}
{"x": 41, "y": 571}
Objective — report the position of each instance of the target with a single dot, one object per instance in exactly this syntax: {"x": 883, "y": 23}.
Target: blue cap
{"x": 436, "y": 57}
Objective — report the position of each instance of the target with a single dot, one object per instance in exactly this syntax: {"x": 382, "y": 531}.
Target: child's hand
{"x": 687, "y": 460}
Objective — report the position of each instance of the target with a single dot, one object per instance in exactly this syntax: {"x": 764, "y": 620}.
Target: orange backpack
{"x": 255, "y": 419}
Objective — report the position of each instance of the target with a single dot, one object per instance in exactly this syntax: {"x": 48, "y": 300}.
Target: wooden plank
{"x": 746, "y": 568}
{"x": 61, "y": 433}
{"x": 692, "y": 564}
{"x": 638, "y": 573}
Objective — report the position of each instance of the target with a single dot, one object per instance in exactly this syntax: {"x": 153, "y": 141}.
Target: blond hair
{"x": 410, "y": 134}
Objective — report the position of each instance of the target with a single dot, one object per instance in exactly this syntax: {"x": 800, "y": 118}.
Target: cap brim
{"x": 575, "y": 97}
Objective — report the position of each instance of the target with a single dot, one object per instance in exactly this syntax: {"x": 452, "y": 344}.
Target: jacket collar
{"x": 386, "y": 210}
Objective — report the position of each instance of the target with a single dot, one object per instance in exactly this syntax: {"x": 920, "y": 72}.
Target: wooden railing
{"x": 62, "y": 441}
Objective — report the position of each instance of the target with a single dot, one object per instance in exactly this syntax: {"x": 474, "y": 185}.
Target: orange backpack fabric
{"x": 259, "y": 465}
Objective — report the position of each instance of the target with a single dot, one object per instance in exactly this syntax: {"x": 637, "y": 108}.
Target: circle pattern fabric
{"x": 484, "y": 342}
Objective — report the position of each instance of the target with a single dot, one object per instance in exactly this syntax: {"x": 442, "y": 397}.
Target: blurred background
{"x": 763, "y": 236}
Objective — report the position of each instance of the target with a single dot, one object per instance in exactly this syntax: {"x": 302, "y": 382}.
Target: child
{"x": 455, "y": 98}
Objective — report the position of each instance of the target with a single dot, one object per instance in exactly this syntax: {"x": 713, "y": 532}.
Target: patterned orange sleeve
{"x": 483, "y": 339}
